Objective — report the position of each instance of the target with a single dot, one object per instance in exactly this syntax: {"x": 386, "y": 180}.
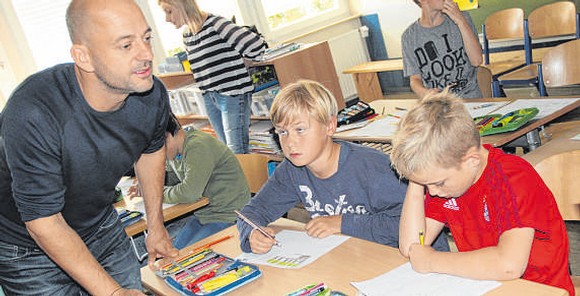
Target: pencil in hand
{"x": 258, "y": 228}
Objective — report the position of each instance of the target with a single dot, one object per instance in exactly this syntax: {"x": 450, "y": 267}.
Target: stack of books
{"x": 262, "y": 138}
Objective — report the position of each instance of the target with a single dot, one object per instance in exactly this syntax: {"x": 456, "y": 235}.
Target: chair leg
{"x": 496, "y": 89}
{"x": 541, "y": 85}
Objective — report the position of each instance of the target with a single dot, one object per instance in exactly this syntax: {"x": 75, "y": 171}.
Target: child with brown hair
{"x": 503, "y": 218}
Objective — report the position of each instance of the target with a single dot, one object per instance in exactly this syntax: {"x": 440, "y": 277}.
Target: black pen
{"x": 258, "y": 228}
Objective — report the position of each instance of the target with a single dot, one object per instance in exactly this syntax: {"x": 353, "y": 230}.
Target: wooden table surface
{"x": 388, "y": 106}
{"x": 169, "y": 213}
{"x": 352, "y": 261}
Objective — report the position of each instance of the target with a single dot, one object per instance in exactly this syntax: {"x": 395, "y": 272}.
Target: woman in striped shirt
{"x": 216, "y": 49}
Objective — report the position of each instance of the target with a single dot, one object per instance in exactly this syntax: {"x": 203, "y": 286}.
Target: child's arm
{"x": 418, "y": 88}
{"x": 324, "y": 226}
{"x": 506, "y": 261}
{"x": 413, "y": 220}
{"x": 470, "y": 40}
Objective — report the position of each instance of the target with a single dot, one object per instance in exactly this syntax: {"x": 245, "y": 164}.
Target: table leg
{"x": 367, "y": 86}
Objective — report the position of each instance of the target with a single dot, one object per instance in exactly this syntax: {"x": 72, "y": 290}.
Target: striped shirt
{"x": 215, "y": 55}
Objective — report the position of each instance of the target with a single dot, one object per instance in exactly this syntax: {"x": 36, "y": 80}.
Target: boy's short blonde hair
{"x": 436, "y": 133}
{"x": 303, "y": 97}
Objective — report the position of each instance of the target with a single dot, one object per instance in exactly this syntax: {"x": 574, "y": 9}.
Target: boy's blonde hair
{"x": 191, "y": 11}
{"x": 303, "y": 97}
{"x": 437, "y": 132}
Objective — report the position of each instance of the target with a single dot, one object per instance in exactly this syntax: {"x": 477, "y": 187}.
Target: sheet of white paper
{"x": 135, "y": 203}
{"x": 576, "y": 137}
{"x": 483, "y": 108}
{"x": 403, "y": 280}
{"x": 546, "y": 106}
{"x": 382, "y": 127}
{"x": 298, "y": 250}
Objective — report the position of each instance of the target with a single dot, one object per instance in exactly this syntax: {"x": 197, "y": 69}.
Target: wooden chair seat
{"x": 499, "y": 68}
{"x": 528, "y": 72}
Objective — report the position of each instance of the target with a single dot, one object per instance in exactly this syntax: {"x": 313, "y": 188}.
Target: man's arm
{"x": 470, "y": 40}
{"x": 150, "y": 171}
{"x": 506, "y": 261}
{"x": 63, "y": 245}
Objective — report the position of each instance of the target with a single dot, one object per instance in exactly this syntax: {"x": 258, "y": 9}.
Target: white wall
{"x": 394, "y": 16}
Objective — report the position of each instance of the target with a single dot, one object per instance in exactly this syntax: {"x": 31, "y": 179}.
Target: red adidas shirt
{"x": 509, "y": 194}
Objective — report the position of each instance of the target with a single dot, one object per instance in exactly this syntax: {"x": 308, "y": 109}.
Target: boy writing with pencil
{"x": 346, "y": 188}
{"x": 502, "y": 216}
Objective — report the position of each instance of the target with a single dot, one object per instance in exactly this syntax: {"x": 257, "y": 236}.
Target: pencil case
{"x": 129, "y": 217}
{"x": 207, "y": 273}
{"x": 358, "y": 111}
{"x": 501, "y": 123}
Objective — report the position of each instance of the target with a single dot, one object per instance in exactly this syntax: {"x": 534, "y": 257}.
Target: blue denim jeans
{"x": 29, "y": 271}
{"x": 194, "y": 231}
{"x": 230, "y": 118}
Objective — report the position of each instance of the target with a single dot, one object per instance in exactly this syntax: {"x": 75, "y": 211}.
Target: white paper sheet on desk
{"x": 403, "y": 280}
{"x": 483, "y": 108}
{"x": 382, "y": 127}
{"x": 298, "y": 250}
{"x": 546, "y": 106}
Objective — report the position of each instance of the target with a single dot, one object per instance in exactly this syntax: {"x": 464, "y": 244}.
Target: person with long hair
{"x": 216, "y": 49}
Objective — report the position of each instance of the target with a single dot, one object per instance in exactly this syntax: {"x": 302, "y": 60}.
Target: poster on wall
{"x": 467, "y": 4}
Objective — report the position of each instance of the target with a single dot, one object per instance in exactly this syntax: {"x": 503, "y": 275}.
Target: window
{"x": 283, "y": 13}
{"x": 44, "y": 26}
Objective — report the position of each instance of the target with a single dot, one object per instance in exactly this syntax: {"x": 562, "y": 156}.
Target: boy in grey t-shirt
{"x": 441, "y": 49}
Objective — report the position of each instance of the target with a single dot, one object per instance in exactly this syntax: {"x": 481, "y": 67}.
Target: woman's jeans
{"x": 29, "y": 271}
{"x": 230, "y": 118}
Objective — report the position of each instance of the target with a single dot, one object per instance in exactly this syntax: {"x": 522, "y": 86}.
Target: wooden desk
{"x": 169, "y": 213}
{"x": 367, "y": 82}
{"x": 176, "y": 80}
{"x": 353, "y": 261}
{"x": 496, "y": 140}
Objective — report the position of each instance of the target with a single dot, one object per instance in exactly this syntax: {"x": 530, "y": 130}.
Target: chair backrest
{"x": 484, "y": 80}
{"x": 505, "y": 24}
{"x": 554, "y": 19}
{"x": 255, "y": 167}
{"x": 559, "y": 173}
{"x": 560, "y": 65}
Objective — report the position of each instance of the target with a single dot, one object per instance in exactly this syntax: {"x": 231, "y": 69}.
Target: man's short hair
{"x": 303, "y": 97}
{"x": 436, "y": 133}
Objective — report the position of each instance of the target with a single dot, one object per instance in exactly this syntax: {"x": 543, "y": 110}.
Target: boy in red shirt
{"x": 502, "y": 216}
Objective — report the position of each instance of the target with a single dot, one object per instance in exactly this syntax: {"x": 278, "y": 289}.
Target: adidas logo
{"x": 451, "y": 204}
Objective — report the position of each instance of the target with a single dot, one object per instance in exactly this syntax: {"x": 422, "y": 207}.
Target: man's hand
{"x": 324, "y": 226}
{"x": 159, "y": 246}
{"x": 419, "y": 256}
{"x": 259, "y": 243}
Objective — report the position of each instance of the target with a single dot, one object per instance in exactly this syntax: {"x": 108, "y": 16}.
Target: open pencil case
{"x": 129, "y": 217}
{"x": 491, "y": 124}
{"x": 205, "y": 272}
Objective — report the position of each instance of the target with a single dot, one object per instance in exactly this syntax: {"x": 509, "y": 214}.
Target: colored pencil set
{"x": 205, "y": 272}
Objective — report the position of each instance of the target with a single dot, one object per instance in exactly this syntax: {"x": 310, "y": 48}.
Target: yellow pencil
{"x": 421, "y": 238}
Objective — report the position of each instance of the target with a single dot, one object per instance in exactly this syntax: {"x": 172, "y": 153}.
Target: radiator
{"x": 348, "y": 50}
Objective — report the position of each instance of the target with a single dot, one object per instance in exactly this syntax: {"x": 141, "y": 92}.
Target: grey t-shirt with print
{"x": 438, "y": 55}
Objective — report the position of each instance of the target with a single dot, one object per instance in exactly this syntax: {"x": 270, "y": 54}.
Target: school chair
{"x": 255, "y": 168}
{"x": 484, "y": 80}
{"x": 551, "y": 20}
{"x": 560, "y": 67}
{"x": 505, "y": 24}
